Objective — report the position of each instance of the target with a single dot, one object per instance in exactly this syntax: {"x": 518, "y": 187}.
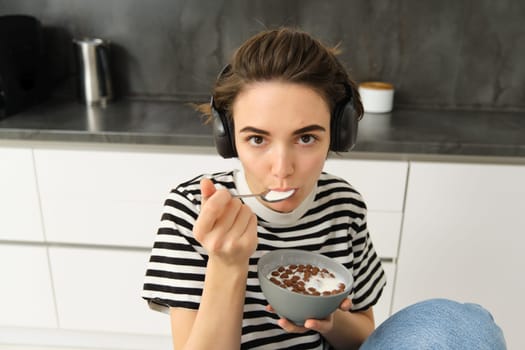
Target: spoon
{"x": 269, "y": 195}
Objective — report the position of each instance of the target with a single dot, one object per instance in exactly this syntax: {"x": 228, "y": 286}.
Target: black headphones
{"x": 343, "y": 125}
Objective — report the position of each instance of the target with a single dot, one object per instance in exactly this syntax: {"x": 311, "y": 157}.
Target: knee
{"x": 451, "y": 318}
{"x": 441, "y": 323}
{"x": 457, "y": 313}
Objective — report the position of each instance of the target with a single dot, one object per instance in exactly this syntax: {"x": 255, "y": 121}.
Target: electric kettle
{"x": 94, "y": 75}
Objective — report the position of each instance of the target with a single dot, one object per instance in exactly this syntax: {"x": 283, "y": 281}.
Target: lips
{"x": 277, "y": 196}
{"x": 287, "y": 192}
{"x": 288, "y": 189}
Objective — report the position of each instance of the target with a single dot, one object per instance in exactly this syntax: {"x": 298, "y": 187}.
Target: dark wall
{"x": 446, "y": 53}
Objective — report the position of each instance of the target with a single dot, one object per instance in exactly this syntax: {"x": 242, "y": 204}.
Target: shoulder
{"x": 335, "y": 186}
{"x": 191, "y": 190}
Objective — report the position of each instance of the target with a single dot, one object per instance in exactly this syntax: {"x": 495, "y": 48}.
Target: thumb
{"x": 207, "y": 189}
{"x": 346, "y": 304}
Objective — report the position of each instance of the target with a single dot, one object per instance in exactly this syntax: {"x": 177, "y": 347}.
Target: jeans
{"x": 438, "y": 324}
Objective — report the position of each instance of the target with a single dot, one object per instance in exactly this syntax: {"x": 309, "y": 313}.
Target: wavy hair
{"x": 287, "y": 55}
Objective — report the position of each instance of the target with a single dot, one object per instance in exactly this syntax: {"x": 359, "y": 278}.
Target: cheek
{"x": 249, "y": 159}
{"x": 312, "y": 163}
{"x": 307, "y": 172}
{"x": 255, "y": 166}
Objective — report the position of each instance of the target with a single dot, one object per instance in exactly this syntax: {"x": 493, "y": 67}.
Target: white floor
{"x": 23, "y": 347}
{"x": 11, "y": 338}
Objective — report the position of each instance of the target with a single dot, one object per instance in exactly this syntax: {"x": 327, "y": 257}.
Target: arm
{"x": 228, "y": 231}
{"x": 349, "y": 330}
{"x": 218, "y": 322}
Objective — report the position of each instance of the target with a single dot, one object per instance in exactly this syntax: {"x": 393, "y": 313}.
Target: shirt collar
{"x": 273, "y": 217}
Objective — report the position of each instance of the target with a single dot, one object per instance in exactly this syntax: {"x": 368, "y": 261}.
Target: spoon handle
{"x": 247, "y": 195}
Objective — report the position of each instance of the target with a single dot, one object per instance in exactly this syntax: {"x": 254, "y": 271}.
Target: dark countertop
{"x": 402, "y": 132}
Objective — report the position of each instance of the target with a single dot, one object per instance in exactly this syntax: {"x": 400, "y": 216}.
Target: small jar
{"x": 377, "y": 96}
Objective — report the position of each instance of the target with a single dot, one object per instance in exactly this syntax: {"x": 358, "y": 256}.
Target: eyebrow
{"x": 309, "y": 128}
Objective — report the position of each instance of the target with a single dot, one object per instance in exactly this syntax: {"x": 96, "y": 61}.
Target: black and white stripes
{"x": 334, "y": 224}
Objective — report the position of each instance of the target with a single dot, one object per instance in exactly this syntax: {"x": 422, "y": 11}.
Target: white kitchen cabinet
{"x": 26, "y": 293}
{"x": 382, "y": 185}
{"x": 382, "y": 309}
{"x": 99, "y": 290}
{"x": 19, "y": 202}
{"x": 385, "y": 229}
{"x": 112, "y": 198}
{"x": 463, "y": 238}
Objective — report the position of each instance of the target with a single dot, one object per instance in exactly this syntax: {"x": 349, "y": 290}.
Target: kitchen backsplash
{"x": 465, "y": 54}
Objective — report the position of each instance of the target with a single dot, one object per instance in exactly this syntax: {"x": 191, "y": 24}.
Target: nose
{"x": 282, "y": 162}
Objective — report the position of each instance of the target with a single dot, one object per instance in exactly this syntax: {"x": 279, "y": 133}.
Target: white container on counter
{"x": 377, "y": 96}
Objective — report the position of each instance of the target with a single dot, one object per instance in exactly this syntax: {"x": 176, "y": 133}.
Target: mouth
{"x": 278, "y": 195}
{"x": 284, "y": 190}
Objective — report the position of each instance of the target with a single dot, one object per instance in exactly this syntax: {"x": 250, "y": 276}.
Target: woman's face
{"x": 282, "y": 136}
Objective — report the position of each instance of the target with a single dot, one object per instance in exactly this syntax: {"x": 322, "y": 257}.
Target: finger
{"x": 252, "y": 228}
{"x": 291, "y": 327}
{"x": 286, "y": 324}
{"x": 247, "y": 240}
{"x": 241, "y": 224}
{"x": 212, "y": 211}
{"x": 346, "y": 304}
{"x": 241, "y": 239}
{"x": 229, "y": 209}
{"x": 318, "y": 325}
{"x": 207, "y": 189}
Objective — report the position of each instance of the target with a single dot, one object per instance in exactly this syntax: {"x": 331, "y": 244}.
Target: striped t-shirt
{"x": 331, "y": 221}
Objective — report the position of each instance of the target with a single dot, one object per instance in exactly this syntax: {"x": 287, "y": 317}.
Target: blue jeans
{"x": 438, "y": 324}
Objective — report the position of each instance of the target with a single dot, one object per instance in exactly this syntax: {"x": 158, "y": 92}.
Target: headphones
{"x": 343, "y": 125}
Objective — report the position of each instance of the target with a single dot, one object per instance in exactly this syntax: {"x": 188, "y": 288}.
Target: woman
{"x": 280, "y": 106}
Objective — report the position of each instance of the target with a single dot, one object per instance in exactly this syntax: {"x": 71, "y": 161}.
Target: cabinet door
{"x": 99, "y": 290}
{"x": 381, "y": 183}
{"x": 463, "y": 238}
{"x": 385, "y": 228}
{"x": 112, "y": 198}
{"x": 383, "y": 306}
{"x": 19, "y": 203}
{"x": 26, "y": 294}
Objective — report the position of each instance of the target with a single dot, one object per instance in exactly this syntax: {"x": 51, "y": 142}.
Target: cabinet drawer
{"x": 385, "y": 228}
{"x": 110, "y": 175}
{"x": 26, "y": 293}
{"x": 89, "y": 221}
{"x": 382, "y": 309}
{"x": 99, "y": 290}
{"x": 19, "y": 202}
{"x": 115, "y": 198}
{"x": 381, "y": 183}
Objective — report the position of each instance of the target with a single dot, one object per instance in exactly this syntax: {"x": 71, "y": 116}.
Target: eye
{"x": 307, "y": 139}
{"x": 255, "y": 140}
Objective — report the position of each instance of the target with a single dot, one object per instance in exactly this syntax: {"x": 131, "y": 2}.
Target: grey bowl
{"x": 294, "y": 306}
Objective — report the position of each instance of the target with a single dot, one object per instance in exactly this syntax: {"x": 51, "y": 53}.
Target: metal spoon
{"x": 269, "y": 195}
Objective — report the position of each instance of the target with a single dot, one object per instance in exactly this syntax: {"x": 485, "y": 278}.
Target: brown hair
{"x": 288, "y": 55}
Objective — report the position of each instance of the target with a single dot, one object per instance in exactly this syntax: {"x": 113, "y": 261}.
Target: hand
{"x": 226, "y": 228}
{"x": 321, "y": 326}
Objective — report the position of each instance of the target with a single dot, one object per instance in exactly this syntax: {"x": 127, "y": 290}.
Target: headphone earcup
{"x": 344, "y": 127}
{"x": 222, "y": 134}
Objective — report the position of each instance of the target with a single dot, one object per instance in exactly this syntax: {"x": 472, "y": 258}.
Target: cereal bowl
{"x": 321, "y": 293}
